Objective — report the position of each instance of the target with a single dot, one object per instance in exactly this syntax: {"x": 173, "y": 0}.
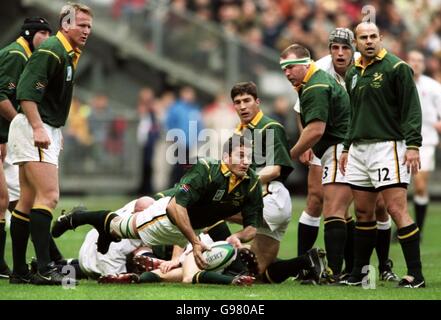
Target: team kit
{"x": 183, "y": 234}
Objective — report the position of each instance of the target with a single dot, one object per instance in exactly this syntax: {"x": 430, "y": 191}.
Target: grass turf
{"x": 289, "y": 290}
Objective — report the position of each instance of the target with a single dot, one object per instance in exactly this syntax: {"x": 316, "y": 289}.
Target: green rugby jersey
{"x": 13, "y": 59}
{"x": 384, "y": 102}
{"x": 48, "y": 79}
{"x": 270, "y": 145}
{"x": 322, "y": 98}
{"x": 211, "y": 193}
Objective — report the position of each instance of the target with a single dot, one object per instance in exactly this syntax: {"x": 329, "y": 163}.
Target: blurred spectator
{"x": 283, "y": 112}
{"x": 99, "y": 123}
{"x": 185, "y": 116}
{"x": 127, "y": 8}
{"x": 77, "y": 137}
{"x": 221, "y": 117}
{"x": 147, "y": 135}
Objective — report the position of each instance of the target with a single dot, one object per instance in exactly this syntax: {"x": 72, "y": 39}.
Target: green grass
{"x": 289, "y": 290}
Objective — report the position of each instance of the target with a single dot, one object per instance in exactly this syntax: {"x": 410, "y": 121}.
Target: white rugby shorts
{"x": 277, "y": 210}
{"x": 330, "y": 171}
{"x": 155, "y": 228}
{"x": 21, "y": 142}
{"x": 377, "y": 165}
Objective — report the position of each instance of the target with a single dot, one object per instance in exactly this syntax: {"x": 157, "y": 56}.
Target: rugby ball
{"x": 220, "y": 256}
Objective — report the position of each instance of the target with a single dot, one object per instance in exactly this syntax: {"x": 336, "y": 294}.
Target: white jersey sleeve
{"x": 429, "y": 92}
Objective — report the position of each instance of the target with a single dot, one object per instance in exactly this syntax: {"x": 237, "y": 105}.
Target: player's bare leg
{"x": 421, "y": 197}
{"x": 309, "y": 221}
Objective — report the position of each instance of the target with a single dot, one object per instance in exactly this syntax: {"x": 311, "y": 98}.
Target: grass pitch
{"x": 289, "y": 290}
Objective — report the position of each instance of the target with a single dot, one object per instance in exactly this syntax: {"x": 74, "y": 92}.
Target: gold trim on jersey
{"x": 380, "y": 56}
{"x": 312, "y": 69}
{"x": 21, "y": 41}
{"x": 50, "y": 52}
{"x": 74, "y": 53}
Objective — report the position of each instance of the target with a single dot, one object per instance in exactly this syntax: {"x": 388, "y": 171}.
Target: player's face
{"x": 368, "y": 40}
{"x": 341, "y": 56}
{"x": 80, "y": 31}
{"x": 416, "y": 62}
{"x": 239, "y": 161}
{"x": 39, "y": 37}
{"x": 295, "y": 73}
{"x": 246, "y": 107}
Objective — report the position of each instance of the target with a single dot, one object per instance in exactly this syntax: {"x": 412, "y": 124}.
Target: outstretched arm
{"x": 179, "y": 215}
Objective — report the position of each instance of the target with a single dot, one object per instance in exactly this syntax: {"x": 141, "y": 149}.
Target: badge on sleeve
{"x": 354, "y": 81}
{"x": 69, "y": 73}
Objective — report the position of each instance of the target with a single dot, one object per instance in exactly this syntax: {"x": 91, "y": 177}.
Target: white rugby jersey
{"x": 429, "y": 92}
{"x": 114, "y": 261}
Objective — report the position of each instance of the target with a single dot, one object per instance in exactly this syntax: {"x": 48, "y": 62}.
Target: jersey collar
{"x": 21, "y": 41}
{"x": 252, "y": 124}
{"x": 234, "y": 181}
{"x": 380, "y": 56}
{"x": 73, "y": 53}
{"x": 312, "y": 69}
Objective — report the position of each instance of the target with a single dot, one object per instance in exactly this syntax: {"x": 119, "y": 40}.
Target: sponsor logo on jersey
{"x": 40, "y": 86}
{"x": 377, "y": 80}
{"x": 69, "y": 73}
{"x": 218, "y": 195}
{"x": 11, "y": 86}
{"x": 354, "y": 81}
{"x": 185, "y": 187}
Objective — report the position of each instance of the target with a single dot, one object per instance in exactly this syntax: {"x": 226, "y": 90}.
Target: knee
{"x": 420, "y": 189}
{"x": 4, "y": 201}
{"x": 188, "y": 278}
{"x": 395, "y": 209}
{"x": 364, "y": 213}
{"x": 49, "y": 199}
{"x": 314, "y": 203}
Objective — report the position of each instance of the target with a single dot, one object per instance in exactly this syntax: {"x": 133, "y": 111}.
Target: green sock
{"x": 212, "y": 277}
{"x": 2, "y": 244}
{"x": 149, "y": 277}
{"x": 40, "y": 227}
{"x": 19, "y": 237}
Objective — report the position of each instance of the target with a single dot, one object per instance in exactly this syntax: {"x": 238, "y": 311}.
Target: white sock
{"x": 305, "y": 218}
{"x": 386, "y": 225}
{"x": 421, "y": 200}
